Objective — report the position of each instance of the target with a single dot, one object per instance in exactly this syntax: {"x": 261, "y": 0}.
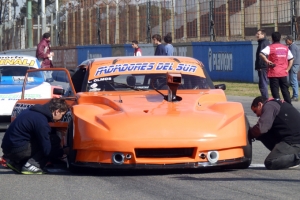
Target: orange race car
{"x": 147, "y": 112}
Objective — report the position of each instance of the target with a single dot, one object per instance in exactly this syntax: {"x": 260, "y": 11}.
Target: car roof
{"x": 101, "y": 67}
{"x": 19, "y": 60}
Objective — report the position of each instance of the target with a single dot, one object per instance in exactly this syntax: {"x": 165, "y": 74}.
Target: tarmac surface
{"x": 253, "y": 183}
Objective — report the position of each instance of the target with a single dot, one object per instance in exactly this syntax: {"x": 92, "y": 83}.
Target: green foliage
{"x": 35, "y": 7}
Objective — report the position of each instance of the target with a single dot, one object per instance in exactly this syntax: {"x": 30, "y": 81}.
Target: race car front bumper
{"x": 192, "y": 165}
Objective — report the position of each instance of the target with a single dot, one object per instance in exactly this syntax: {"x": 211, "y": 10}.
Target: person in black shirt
{"x": 160, "y": 49}
{"x": 278, "y": 130}
{"x": 27, "y": 144}
{"x": 260, "y": 65}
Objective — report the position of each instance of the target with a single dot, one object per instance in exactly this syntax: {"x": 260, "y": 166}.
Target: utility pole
{"x": 148, "y": 22}
{"x": 43, "y": 15}
{"x": 57, "y": 23}
{"x": 293, "y": 19}
{"x": 29, "y": 23}
{"x": 9, "y": 11}
{"x": 99, "y": 24}
{"x": 211, "y": 20}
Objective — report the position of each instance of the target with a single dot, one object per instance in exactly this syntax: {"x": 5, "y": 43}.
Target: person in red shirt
{"x": 43, "y": 51}
{"x": 137, "y": 50}
{"x": 279, "y": 60}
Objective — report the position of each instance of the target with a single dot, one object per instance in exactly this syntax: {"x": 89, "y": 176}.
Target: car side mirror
{"x": 58, "y": 91}
{"x": 220, "y": 86}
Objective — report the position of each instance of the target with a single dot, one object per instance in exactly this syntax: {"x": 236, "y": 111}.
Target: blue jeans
{"x": 294, "y": 80}
{"x": 263, "y": 82}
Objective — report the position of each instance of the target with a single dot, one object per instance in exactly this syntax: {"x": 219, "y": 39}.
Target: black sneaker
{"x": 294, "y": 99}
{"x": 14, "y": 166}
{"x": 31, "y": 169}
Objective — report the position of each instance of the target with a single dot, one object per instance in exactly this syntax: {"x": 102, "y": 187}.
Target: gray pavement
{"x": 253, "y": 183}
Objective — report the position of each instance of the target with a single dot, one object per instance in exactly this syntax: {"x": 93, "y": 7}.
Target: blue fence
{"x": 226, "y": 61}
{"x": 88, "y": 52}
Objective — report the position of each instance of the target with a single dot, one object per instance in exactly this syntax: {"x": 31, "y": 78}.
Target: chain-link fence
{"x": 121, "y": 21}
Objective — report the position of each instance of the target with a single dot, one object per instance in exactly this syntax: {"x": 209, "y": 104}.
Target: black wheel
{"x": 72, "y": 153}
{"x": 247, "y": 152}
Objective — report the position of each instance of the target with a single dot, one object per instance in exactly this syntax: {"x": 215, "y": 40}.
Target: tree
{"x": 3, "y": 10}
{"x": 36, "y": 5}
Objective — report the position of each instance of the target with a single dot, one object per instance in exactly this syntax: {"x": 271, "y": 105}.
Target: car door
{"x": 40, "y": 85}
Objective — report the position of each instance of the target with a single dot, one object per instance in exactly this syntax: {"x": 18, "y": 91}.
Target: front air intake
{"x": 164, "y": 153}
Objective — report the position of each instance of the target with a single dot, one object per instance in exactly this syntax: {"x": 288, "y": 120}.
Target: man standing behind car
{"x": 26, "y": 143}
{"x": 295, "y": 68}
{"x": 260, "y": 65}
{"x": 279, "y": 60}
{"x": 43, "y": 52}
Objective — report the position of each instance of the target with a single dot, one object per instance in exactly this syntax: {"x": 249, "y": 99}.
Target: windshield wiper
{"x": 129, "y": 86}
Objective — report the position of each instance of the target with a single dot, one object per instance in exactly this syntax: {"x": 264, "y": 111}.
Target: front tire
{"x": 247, "y": 151}
{"x": 72, "y": 153}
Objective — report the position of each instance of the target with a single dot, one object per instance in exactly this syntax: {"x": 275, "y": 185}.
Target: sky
{"x": 21, "y": 3}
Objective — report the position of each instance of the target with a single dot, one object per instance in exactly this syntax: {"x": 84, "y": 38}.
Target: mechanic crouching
{"x": 278, "y": 128}
{"x": 26, "y": 143}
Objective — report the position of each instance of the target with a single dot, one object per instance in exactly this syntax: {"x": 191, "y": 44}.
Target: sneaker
{"x": 3, "y": 162}
{"x": 294, "y": 99}
{"x": 12, "y": 165}
{"x": 295, "y": 166}
{"x": 31, "y": 169}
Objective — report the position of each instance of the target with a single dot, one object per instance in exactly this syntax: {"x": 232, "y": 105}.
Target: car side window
{"x": 78, "y": 78}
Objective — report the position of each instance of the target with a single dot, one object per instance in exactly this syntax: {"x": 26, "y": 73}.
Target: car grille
{"x": 164, "y": 153}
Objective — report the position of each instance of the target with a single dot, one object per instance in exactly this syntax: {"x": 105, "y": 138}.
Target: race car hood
{"x": 149, "y": 115}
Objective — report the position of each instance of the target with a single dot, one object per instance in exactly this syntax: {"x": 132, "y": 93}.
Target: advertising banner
{"x": 226, "y": 61}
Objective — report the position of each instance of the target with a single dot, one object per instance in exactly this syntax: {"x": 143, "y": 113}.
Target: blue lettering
{"x": 179, "y": 67}
{"x": 117, "y": 67}
{"x": 185, "y": 69}
{"x": 167, "y": 66}
{"x": 109, "y": 70}
{"x": 159, "y": 66}
{"x": 130, "y": 67}
{"x": 137, "y": 67}
{"x": 151, "y": 66}
{"x": 100, "y": 70}
{"x": 192, "y": 69}
{"x": 143, "y": 66}
{"x": 123, "y": 68}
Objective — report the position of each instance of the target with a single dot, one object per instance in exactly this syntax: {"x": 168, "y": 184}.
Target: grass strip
{"x": 244, "y": 89}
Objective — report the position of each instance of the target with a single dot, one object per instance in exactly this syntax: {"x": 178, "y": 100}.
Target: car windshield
{"x": 143, "y": 82}
{"x": 9, "y": 74}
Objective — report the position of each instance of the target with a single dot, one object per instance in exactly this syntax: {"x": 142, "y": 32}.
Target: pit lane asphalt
{"x": 253, "y": 183}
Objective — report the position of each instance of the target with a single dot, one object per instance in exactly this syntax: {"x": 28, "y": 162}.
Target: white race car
{"x": 12, "y": 73}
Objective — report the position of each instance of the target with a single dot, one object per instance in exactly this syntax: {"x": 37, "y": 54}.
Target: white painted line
{"x": 256, "y": 165}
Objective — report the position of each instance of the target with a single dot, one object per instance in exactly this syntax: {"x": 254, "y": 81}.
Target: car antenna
{"x": 175, "y": 59}
{"x": 120, "y": 100}
{"x": 115, "y": 61}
